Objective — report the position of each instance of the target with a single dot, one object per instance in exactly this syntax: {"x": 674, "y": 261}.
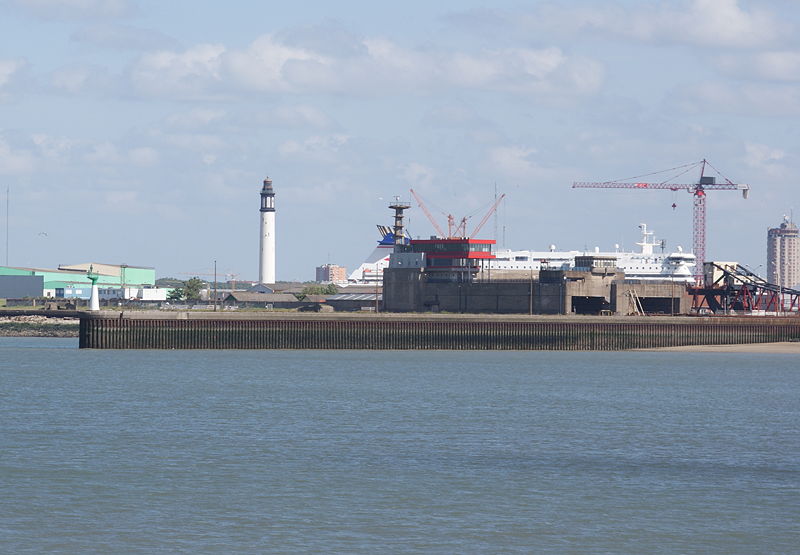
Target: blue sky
{"x": 139, "y": 132}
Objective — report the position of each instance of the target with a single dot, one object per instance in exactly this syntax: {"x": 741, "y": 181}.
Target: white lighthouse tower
{"x": 266, "y": 259}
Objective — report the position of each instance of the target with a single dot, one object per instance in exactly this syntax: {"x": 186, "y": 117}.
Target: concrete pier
{"x": 159, "y": 330}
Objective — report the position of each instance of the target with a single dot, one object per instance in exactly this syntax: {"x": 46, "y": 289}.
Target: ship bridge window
{"x": 521, "y": 258}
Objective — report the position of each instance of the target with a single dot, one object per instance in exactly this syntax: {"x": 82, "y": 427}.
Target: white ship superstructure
{"x": 645, "y": 264}
{"x": 371, "y": 270}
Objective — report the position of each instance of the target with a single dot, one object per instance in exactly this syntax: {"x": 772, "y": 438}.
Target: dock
{"x": 273, "y": 330}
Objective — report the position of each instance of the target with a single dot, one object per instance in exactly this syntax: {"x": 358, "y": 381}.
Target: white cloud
{"x": 76, "y": 9}
{"x": 70, "y": 79}
{"x": 13, "y": 161}
{"x": 452, "y": 115}
{"x": 126, "y": 200}
{"x": 514, "y": 161}
{"x": 193, "y": 141}
{"x": 289, "y": 116}
{"x": 107, "y": 153}
{"x": 8, "y": 68}
{"x": 417, "y": 175}
{"x": 143, "y": 156}
{"x": 123, "y": 37}
{"x": 171, "y": 73}
{"x": 764, "y": 158}
{"x": 52, "y": 147}
{"x": 81, "y": 78}
{"x": 703, "y": 22}
{"x": 322, "y": 148}
{"x": 522, "y": 70}
{"x": 751, "y": 99}
{"x": 268, "y": 65}
{"x": 265, "y": 63}
{"x": 103, "y": 153}
{"x": 300, "y": 115}
{"x": 711, "y": 22}
{"x": 195, "y": 119}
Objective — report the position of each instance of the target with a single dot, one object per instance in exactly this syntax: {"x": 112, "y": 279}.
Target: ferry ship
{"x": 646, "y": 264}
{"x": 371, "y": 270}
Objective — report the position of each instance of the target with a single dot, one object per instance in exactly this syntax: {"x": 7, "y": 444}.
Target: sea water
{"x": 397, "y": 451}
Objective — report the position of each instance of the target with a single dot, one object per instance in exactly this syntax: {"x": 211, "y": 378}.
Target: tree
{"x": 170, "y": 282}
{"x": 175, "y": 294}
{"x": 192, "y": 289}
{"x": 329, "y": 289}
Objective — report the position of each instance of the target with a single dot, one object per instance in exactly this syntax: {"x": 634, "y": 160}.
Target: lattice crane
{"x": 454, "y": 230}
{"x": 489, "y": 213}
{"x": 427, "y": 213}
{"x": 697, "y": 190}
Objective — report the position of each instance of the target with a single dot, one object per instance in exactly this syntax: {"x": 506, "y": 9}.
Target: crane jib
{"x": 689, "y": 187}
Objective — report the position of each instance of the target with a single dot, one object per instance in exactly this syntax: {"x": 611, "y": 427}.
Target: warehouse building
{"x": 71, "y": 281}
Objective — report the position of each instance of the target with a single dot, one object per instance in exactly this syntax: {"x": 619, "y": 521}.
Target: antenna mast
{"x": 495, "y": 213}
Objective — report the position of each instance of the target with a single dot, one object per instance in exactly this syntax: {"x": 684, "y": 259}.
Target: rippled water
{"x": 360, "y": 451}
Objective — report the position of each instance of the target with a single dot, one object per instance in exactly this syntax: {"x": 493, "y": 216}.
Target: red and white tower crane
{"x": 697, "y": 190}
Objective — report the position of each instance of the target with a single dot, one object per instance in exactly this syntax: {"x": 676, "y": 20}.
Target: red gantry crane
{"x": 697, "y": 190}
{"x": 454, "y": 231}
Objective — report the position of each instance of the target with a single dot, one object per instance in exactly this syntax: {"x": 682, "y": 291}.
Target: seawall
{"x": 158, "y": 330}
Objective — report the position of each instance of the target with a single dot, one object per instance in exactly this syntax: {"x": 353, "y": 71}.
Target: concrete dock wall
{"x": 426, "y": 332}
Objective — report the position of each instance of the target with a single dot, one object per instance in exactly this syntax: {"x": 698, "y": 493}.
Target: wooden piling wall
{"x": 430, "y": 333}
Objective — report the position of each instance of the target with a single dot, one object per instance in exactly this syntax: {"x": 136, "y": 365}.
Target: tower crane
{"x": 697, "y": 190}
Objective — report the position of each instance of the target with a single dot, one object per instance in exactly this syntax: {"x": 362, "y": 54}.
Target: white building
{"x": 783, "y": 254}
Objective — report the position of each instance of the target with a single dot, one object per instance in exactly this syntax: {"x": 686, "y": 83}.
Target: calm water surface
{"x": 363, "y": 451}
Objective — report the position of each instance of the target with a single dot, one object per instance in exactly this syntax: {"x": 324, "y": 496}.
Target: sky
{"x": 139, "y": 131}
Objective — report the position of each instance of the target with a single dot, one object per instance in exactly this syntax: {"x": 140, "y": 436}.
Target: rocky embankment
{"x": 38, "y": 326}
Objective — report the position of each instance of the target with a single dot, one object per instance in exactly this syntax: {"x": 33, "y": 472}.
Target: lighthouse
{"x": 266, "y": 259}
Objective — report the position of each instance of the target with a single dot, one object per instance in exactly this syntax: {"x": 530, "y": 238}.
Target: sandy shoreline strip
{"x": 786, "y": 347}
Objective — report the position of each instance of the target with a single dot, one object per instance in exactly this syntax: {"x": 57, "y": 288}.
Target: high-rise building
{"x": 783, "y": 254}
{"x": 331, "y": 273}
{"x": 266, "y": 258}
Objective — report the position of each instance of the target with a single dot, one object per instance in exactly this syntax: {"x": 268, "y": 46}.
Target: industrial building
{"x": 597, "y": 287}
{"x": 454, "y": 275}
{"x": 71, "y": 281}
{"x": 783, "y": 254}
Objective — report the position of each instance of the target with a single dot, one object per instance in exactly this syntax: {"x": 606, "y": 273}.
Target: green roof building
{"x": 73, "y": 278}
